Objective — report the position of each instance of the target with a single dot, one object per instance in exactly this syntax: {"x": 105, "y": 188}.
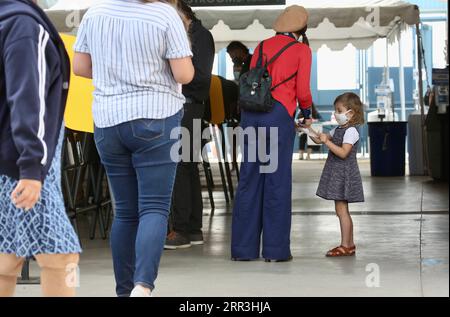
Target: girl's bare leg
{"x": 10, "y": 267}
{"x": 346, "y": 223}
{"x": 59, "y": 274}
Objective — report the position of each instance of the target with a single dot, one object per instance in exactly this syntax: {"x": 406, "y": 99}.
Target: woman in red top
{"x": 264, "y": 199}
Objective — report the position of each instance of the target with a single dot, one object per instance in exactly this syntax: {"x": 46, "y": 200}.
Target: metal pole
{"x": 25, "y": 278}
{"x": 421, "y": 102}
{"x": 387, "y": 72}
{"x": 366, "y": 93}
{"x": 401, "y": 77}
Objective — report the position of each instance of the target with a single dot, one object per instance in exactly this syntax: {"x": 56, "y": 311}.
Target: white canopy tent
{"x": 332, "y": 23}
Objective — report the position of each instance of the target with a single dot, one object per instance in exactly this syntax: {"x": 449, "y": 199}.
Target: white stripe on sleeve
{"x": 42, "y": 69}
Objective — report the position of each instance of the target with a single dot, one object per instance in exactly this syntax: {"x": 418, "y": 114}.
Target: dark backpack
{"x": 255, "y": 88}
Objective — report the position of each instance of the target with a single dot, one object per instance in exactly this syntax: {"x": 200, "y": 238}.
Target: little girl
{"x": 341, "y": 180}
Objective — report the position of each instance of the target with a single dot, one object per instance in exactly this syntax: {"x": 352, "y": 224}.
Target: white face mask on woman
{"x": 342, "y": 118}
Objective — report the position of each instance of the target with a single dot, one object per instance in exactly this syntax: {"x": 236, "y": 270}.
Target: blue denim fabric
{"x": 136, "y": 156}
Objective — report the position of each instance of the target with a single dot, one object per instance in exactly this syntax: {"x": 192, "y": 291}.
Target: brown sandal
{"x": 341, "y": 251}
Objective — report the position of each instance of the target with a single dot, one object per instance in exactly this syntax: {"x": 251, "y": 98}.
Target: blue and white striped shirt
{"x": 130, "y": 43}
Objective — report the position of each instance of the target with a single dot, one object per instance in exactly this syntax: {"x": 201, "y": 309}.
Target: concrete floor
{"x": 402, "y": 233}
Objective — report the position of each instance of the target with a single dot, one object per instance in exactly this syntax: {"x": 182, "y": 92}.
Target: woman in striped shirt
{"x": 138, "y": 54}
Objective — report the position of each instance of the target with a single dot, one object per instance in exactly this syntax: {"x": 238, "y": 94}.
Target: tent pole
{"x": 421, "y": 101}
{"x": 401, "y": 77}
{"x": 387, "y": 72}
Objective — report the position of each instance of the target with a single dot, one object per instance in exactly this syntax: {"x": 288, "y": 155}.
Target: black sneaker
{"x": 176, "y": 241}
{"x": 196, "y": 238}
{"x": 242, "y": 259}
{"x": 279, "y": 260}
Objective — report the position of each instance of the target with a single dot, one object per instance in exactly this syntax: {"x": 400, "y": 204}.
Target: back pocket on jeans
{"x": 148, "y": 129}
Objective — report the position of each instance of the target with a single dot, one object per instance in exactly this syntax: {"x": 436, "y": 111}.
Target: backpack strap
{"x": 283, "y": 82}
{"x": 281, "y": 52}
{"x": 260, "y": 57}
{"x": 278, "y": 55}
{"x": 260, "y": 61}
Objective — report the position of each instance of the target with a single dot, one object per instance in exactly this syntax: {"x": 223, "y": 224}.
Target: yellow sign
{"x": 78, "y": 114}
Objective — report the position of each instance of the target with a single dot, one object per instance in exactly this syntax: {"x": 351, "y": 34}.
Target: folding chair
{"x": 83, "y": 176}
{"x": 25, "y": 278}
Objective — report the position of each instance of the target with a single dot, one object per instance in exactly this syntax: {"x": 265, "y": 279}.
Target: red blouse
{"x": 295, "y": 58}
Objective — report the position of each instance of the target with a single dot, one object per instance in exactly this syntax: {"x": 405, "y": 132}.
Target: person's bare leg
{"x": 346, "y": 224}
{"x": 300, "y": 155}
{"x": 309, "y": 152}
{"x": 59, "y": 274}
{"x": 10, "y": 267}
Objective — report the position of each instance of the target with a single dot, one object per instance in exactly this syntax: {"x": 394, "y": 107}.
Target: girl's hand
{"x": 26, "y": 194}
{"x": 323, "y": 138}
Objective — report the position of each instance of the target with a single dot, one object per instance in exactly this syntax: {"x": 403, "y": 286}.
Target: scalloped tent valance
{"x": 332, "y": 23}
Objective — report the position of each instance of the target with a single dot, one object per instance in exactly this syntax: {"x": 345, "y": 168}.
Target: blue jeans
{"x": 136, "y": 156}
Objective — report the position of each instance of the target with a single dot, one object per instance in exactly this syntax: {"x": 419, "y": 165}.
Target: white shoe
{"x": 140, "y": 291}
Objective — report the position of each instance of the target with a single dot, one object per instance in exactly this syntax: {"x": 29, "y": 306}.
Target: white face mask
{"x": 237, "y": 75}
{"x": 342, "y": 118}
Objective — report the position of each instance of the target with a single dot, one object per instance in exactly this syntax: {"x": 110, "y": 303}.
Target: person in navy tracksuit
{"x": 34, "y": 79}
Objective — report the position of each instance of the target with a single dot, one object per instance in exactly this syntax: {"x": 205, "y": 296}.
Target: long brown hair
{"x": 352, "y": 102}
{"x": 302, "y": 33}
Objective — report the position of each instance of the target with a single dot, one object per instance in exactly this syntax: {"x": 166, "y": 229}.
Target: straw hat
{"x": 293, "y": 19}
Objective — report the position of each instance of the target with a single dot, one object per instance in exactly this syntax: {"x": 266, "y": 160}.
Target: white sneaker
{"x": 139, "y": 291}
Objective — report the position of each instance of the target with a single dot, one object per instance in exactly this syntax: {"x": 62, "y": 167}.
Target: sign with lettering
{"x": 440, "y": 77}
{"x": 216, "y": 3}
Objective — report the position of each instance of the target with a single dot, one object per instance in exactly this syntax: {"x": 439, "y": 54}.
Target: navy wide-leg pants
{"x": 263, "y": 203}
